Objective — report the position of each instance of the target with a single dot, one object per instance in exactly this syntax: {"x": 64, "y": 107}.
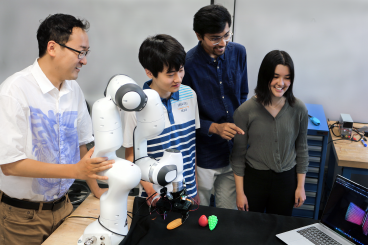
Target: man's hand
{"x": 226, "y": 130}
{"x": 88, "y": 167}
{"x": 242, "y": 202}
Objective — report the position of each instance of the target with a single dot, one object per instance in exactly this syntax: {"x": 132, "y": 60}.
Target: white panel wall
{"x": 229, "y": 5}
{"x": 327, "y": 40}
{"x": 118, "y": 27}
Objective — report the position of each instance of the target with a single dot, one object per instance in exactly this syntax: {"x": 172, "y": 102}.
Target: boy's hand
{"x": 99, "y": 192}
{"x": 148, "y": 187}
{"x": 196, "y": 199}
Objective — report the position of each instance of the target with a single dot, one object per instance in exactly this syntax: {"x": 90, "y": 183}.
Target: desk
{"x": 70, "y": 231}
{"x": 233, "y": 227}
{"x": 350, "y": 155}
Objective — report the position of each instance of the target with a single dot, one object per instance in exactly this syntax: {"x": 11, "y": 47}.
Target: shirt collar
{"x": 207, "y": 57}
{"x": 44, "y": 83}
{"x": 174, "y": 95}
{"x": 65, "y": 87}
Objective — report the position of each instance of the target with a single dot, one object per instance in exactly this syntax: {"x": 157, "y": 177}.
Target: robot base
{"x": 95, "y": 234}
{"x": 123, "y": 176}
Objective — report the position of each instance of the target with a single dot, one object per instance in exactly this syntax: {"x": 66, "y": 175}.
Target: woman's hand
{"x": 299, "y": 196}
{"x": 241, "y": 199}
{"x": 242, "y": 202}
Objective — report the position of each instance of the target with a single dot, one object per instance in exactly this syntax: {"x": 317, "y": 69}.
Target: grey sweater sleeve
{"x": 301, "y": 145}
{"x": 237, "y": 156}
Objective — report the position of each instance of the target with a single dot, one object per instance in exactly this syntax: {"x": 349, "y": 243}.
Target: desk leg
{"x": 347, "y": 172}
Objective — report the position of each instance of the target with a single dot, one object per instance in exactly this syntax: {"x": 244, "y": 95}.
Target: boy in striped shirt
{"x": 163, "y": 58}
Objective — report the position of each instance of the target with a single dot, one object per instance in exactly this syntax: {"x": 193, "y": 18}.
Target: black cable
{"x": 334, "y": 140}
{"x": 361, "y": 136}
{"x": 85, "y": 217}
{"x": 108, "y": 229}
{"x": 137, "y": 212}
{"x": 331, "y": 128}
{"x": 70, "y": 193}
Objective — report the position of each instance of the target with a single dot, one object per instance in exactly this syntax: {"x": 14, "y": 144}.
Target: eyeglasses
{"x": 81, "y": 54}
{"x": 217, "y": 40}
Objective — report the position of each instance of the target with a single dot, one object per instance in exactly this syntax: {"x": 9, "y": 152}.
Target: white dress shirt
{"x": 37, "y": 121}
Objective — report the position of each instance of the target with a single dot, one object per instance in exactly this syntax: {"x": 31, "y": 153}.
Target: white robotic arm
{"x": 150, "y": 123}
{"x": 128, "y": 96}
{"x": 124, "y": 94}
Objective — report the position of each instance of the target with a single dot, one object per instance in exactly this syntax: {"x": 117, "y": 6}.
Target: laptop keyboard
{"x": 317, "y": 237}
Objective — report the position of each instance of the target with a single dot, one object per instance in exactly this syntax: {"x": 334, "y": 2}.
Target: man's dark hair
{"x": 211, "y": 19}
{"x": 267, "y": 72}
{"x": 57, "y": 27}
{"x": 159, "y": 51}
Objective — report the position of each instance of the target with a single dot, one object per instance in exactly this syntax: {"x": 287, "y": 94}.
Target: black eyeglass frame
{"x": 80, "y": 53}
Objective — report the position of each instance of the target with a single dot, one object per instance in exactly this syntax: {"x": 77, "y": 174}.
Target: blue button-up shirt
{"x": 221, "y": 85}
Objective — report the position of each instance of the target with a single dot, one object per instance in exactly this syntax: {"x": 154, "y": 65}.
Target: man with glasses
{"x": 44, "y": 129}
{"x": 216, "y": 69}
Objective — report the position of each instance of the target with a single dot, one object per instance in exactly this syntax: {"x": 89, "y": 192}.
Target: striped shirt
{"x": 181, "y": 122}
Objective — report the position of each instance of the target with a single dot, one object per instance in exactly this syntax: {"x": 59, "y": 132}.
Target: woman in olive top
{"x": 271, "y": 159}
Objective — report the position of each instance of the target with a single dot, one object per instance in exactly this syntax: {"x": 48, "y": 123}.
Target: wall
{"x": 327, "y": 41}
{"x": 117, "y": 30}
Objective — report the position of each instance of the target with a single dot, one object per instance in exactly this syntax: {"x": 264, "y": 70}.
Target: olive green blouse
{"x": 275, "y": 143}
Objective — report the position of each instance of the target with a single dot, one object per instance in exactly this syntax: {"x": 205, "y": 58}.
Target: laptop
{"x": 344, "y": 219}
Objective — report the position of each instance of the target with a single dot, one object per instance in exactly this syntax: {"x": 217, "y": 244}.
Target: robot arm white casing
{"x": 122, "y": 92}
{"x": 128, "y": 96}
{"x": 124, "y": 175}
{"x": 151, "y": 123}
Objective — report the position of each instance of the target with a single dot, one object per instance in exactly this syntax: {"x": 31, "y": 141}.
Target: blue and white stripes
{"x": 182, "y": 138}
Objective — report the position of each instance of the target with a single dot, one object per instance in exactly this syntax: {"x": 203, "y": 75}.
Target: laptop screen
{"x": 346, "y": 210}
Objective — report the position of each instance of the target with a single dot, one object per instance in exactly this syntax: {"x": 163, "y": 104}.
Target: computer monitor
{"x": 346, "y": 210}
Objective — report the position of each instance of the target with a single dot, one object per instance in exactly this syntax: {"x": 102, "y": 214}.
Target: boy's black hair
{"x": 159, "y": 51}
{"x": 211, "y": 19}
{"x": 267, "y": 72}
{"x": 58, "y": 28}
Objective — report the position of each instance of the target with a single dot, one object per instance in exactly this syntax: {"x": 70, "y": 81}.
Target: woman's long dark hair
{"x": 267, "y": 72}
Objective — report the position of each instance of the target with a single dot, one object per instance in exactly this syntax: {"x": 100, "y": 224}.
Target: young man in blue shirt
{"x": 163, "y": 59}
{"x": 216, "y": 69}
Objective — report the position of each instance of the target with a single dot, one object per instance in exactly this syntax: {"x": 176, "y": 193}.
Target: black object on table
{"x": 233, "y": 227}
